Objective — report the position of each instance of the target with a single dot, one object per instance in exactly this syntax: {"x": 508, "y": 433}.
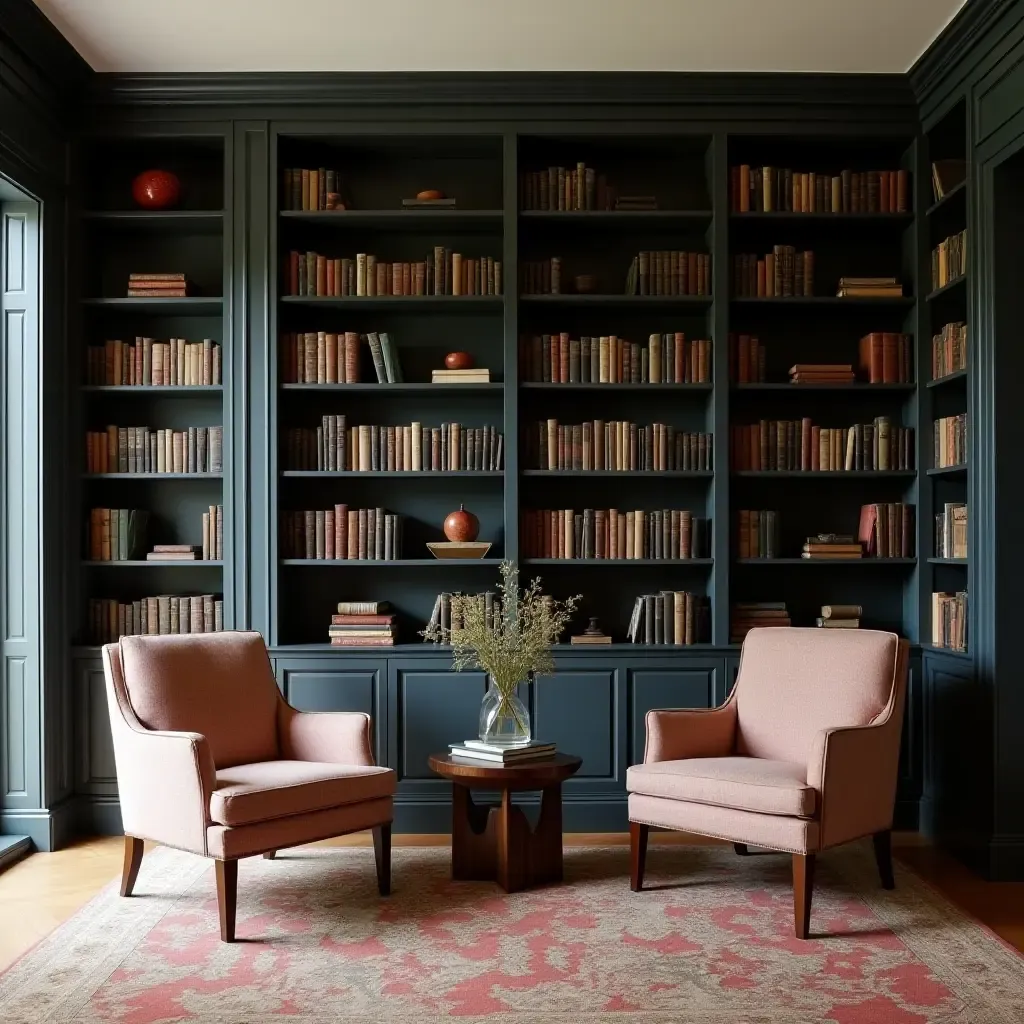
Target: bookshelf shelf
{"x": 955, "y": 377}
{"x": 789, "y": 217}
{"x": 168, "y": 221}
{"x": 948, "y": 470}
{"x": 190, "y": 305}
{"x": 826, "y": 301}
{"x": 695, "y": 474}
{"x": 952, "y": 651}
{"x": 401, "y": 303}
{"x": 827, "y": 474}
{"x": 955, "y": 195}
{"x": 619, "y": 218}
{"x": 620, "y": 301}
{"x": 379, "y": 563}
{"x": 577, "y": 386}
{"x": 400, "y": 220}
{"x": 811, "y": 388}
{"x": 152, "y": 476}
{"x": 879, "y": 562}
{"x": 148, "y": 563}
{"x": 412, "y": 474}
{"x": 175, "y": 390}
{"x": 695, "y": 562}
{"x": 413, "y": 388}
{"x": 947, "y": 288}
{"x": 948, "y": 561}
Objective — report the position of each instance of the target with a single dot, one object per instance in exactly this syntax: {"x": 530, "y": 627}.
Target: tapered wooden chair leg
{"x": 270, "y": 855}
{"x": 382, "y": 855}
{"x": 883, "y": 857}
{"x": 227, "y": 895}
{"x": 803, "y": 889}
{"x": 637, "y": 854}
{"x": 741, "y": 849}
{"x": 133, "y": 848}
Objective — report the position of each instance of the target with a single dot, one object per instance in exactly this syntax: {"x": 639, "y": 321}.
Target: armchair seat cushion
{"x": 742, "y": 783}
{"x": 249, "y": 793}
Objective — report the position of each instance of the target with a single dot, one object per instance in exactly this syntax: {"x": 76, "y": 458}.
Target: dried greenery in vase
{"x": 511, "y": 645}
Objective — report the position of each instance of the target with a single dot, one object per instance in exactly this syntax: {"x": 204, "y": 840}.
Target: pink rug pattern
{"x": 711, "y": 942}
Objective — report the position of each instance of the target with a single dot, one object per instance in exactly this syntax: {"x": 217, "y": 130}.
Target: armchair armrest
{"x": 164, "y": 779}
{"x": 674, "y": 734}
{"x": 335, "y": 737}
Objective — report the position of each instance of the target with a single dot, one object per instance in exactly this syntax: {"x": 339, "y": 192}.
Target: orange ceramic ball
{"x": 458, "y": 361}
{"x": 461, "y": 526}
{"x": 430, "y": 193}
{"x": 156, "y": 190}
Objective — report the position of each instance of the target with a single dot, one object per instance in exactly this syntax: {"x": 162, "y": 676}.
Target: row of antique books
{"x": 757, "y": 533}
{"x": 335, "y": 446}
{"x": 782, "y": 189}
{"x": 365, "y": 534}
{"x": 949, "y": 259}
{"x": 782, "y": 272}
{"x": 950, "y": 441}
{"x": 609, "y": 359}
{"x": 150, "y": 363}
{"x": 453, "y": 615}
{"x": 120, "y": 535}
{"x": 949, "y": 620}
{"x": 670, "y": 618}
{"x": 164, "y": 614}
{"x": 949, "y": 350}
{"x": 611, "y": 534}
{"x": 310, "y": 188}
{"x": 149, "y": 450}
{"x": 157, "y": 286}
{"x": 886, "y": 357}
{"x": 443, "y": 273}
{"x": 669, "y": 272}
{"x": 790, "y": 445}
{"x": 615, "y": 445}
{"x": 951, "y": 530}
{"x": 749, "y": 615}
{"x": 324, "y": 357}
{"x": 883, "y": 358}
{"x": 887, "y": 529}
{"x": 565, "y": 188}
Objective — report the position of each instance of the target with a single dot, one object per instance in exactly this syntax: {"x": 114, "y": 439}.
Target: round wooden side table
{"x": 497, "y": 843}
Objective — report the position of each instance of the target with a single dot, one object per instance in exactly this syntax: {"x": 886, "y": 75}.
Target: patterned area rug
{"x": 712, "y": 942}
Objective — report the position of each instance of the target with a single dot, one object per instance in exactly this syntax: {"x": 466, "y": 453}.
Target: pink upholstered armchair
{"x": 211, "y": 759}
{"x": 802, "y": 756}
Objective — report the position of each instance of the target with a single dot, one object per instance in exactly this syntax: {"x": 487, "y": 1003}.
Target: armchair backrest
{"x": 794, "y": 682}
{"x": 215, "y": 684}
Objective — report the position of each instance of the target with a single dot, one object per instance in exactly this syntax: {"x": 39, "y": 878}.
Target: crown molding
{"x": 888, "y": 95}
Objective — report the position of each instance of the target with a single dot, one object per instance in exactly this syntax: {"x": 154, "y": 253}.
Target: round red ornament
{"x": 458, "y": 361}
{"x": 156, "y": 190}
{"x": 461, "y": 526}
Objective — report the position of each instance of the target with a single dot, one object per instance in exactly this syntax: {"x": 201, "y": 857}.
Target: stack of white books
{"x": 476, "y": 750}
{"x": 473, "y": 376}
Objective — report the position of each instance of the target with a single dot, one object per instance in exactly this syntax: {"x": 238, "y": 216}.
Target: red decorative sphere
{"x": 156, "y": 190}
{"x": 461, "y": 526}
{"x": 458, "y": 361}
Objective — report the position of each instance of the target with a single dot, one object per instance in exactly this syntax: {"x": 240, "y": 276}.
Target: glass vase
{"x": 504, "y": 719}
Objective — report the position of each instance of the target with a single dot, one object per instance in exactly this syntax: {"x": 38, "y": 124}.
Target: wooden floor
{"x": 45, "y": 889}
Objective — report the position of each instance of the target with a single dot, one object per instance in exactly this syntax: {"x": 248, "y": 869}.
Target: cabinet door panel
{"x": 576, "y": 709}
{"x": 97, "y": 772}
{"x": 668, "y": 686}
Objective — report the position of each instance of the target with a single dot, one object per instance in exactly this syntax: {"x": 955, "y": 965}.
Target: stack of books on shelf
{"x": 756, "y": 615}
{"x": 950, "y": 441}
{"x": 747, "y": 358}
{"x": 821, "y": 373}
{"x": 946, "y": 175}
{"x": 117, "y": 534}
{"x": 671, "y": 618}
{"x": 541, "y": 277}
{"x": 949, "y": 620}
{"x": 869, "y": 288}
{"x": 788, "y": 445}
{"x": 166, "y": 614}
{"x": 609, "y": 359}
{"x": 887, "y": 529}
{"x": 782, "y": 273}
{"x": 611, "y": 534}
{"x": 636, "y": 202}
{"x": 616, "y": 445}
{"x": 951, "y": 530}
{"x": 443, "y": 273}
{"x": 150, "y": 363}
{"x": 435, "y": 203}
{"x": 449, "y": 615}
{"x": 336, "y": 446}
{"x": 949, "y": 259}
{"x": 839, "y": 616}
{"x": 311, "y": 189}
{"x": 365, "y": 534}
{"x": 565, "y": 188}
{"x": 145, "y": 450}
{"x": 157, "y": 286}
{"x": 474, "y": 375}
{"x": 489, "y": 753}
{"x": 669, "y": 272}
{"x": 777, "y": 189}
{"x": 363, "y": 624}
{"x": 174, "y": 553}
{"x": 757, "y": 533}
{"x": 831, "y": 546}
{"x": 885, "y": 357}
{"x": 949, "y": 350}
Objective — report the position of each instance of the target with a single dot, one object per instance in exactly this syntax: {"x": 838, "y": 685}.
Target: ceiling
{"x": 483, "y": 35}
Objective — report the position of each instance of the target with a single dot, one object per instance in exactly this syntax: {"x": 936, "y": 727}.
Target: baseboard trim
{"x": 48, "y": 828}
{"x": 12, "y": 849}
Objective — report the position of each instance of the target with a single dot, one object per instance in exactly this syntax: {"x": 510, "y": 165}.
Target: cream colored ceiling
{"x": 516, "y": 35}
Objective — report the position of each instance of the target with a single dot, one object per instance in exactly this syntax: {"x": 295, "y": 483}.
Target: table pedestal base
{"x": 497, "y": 843}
